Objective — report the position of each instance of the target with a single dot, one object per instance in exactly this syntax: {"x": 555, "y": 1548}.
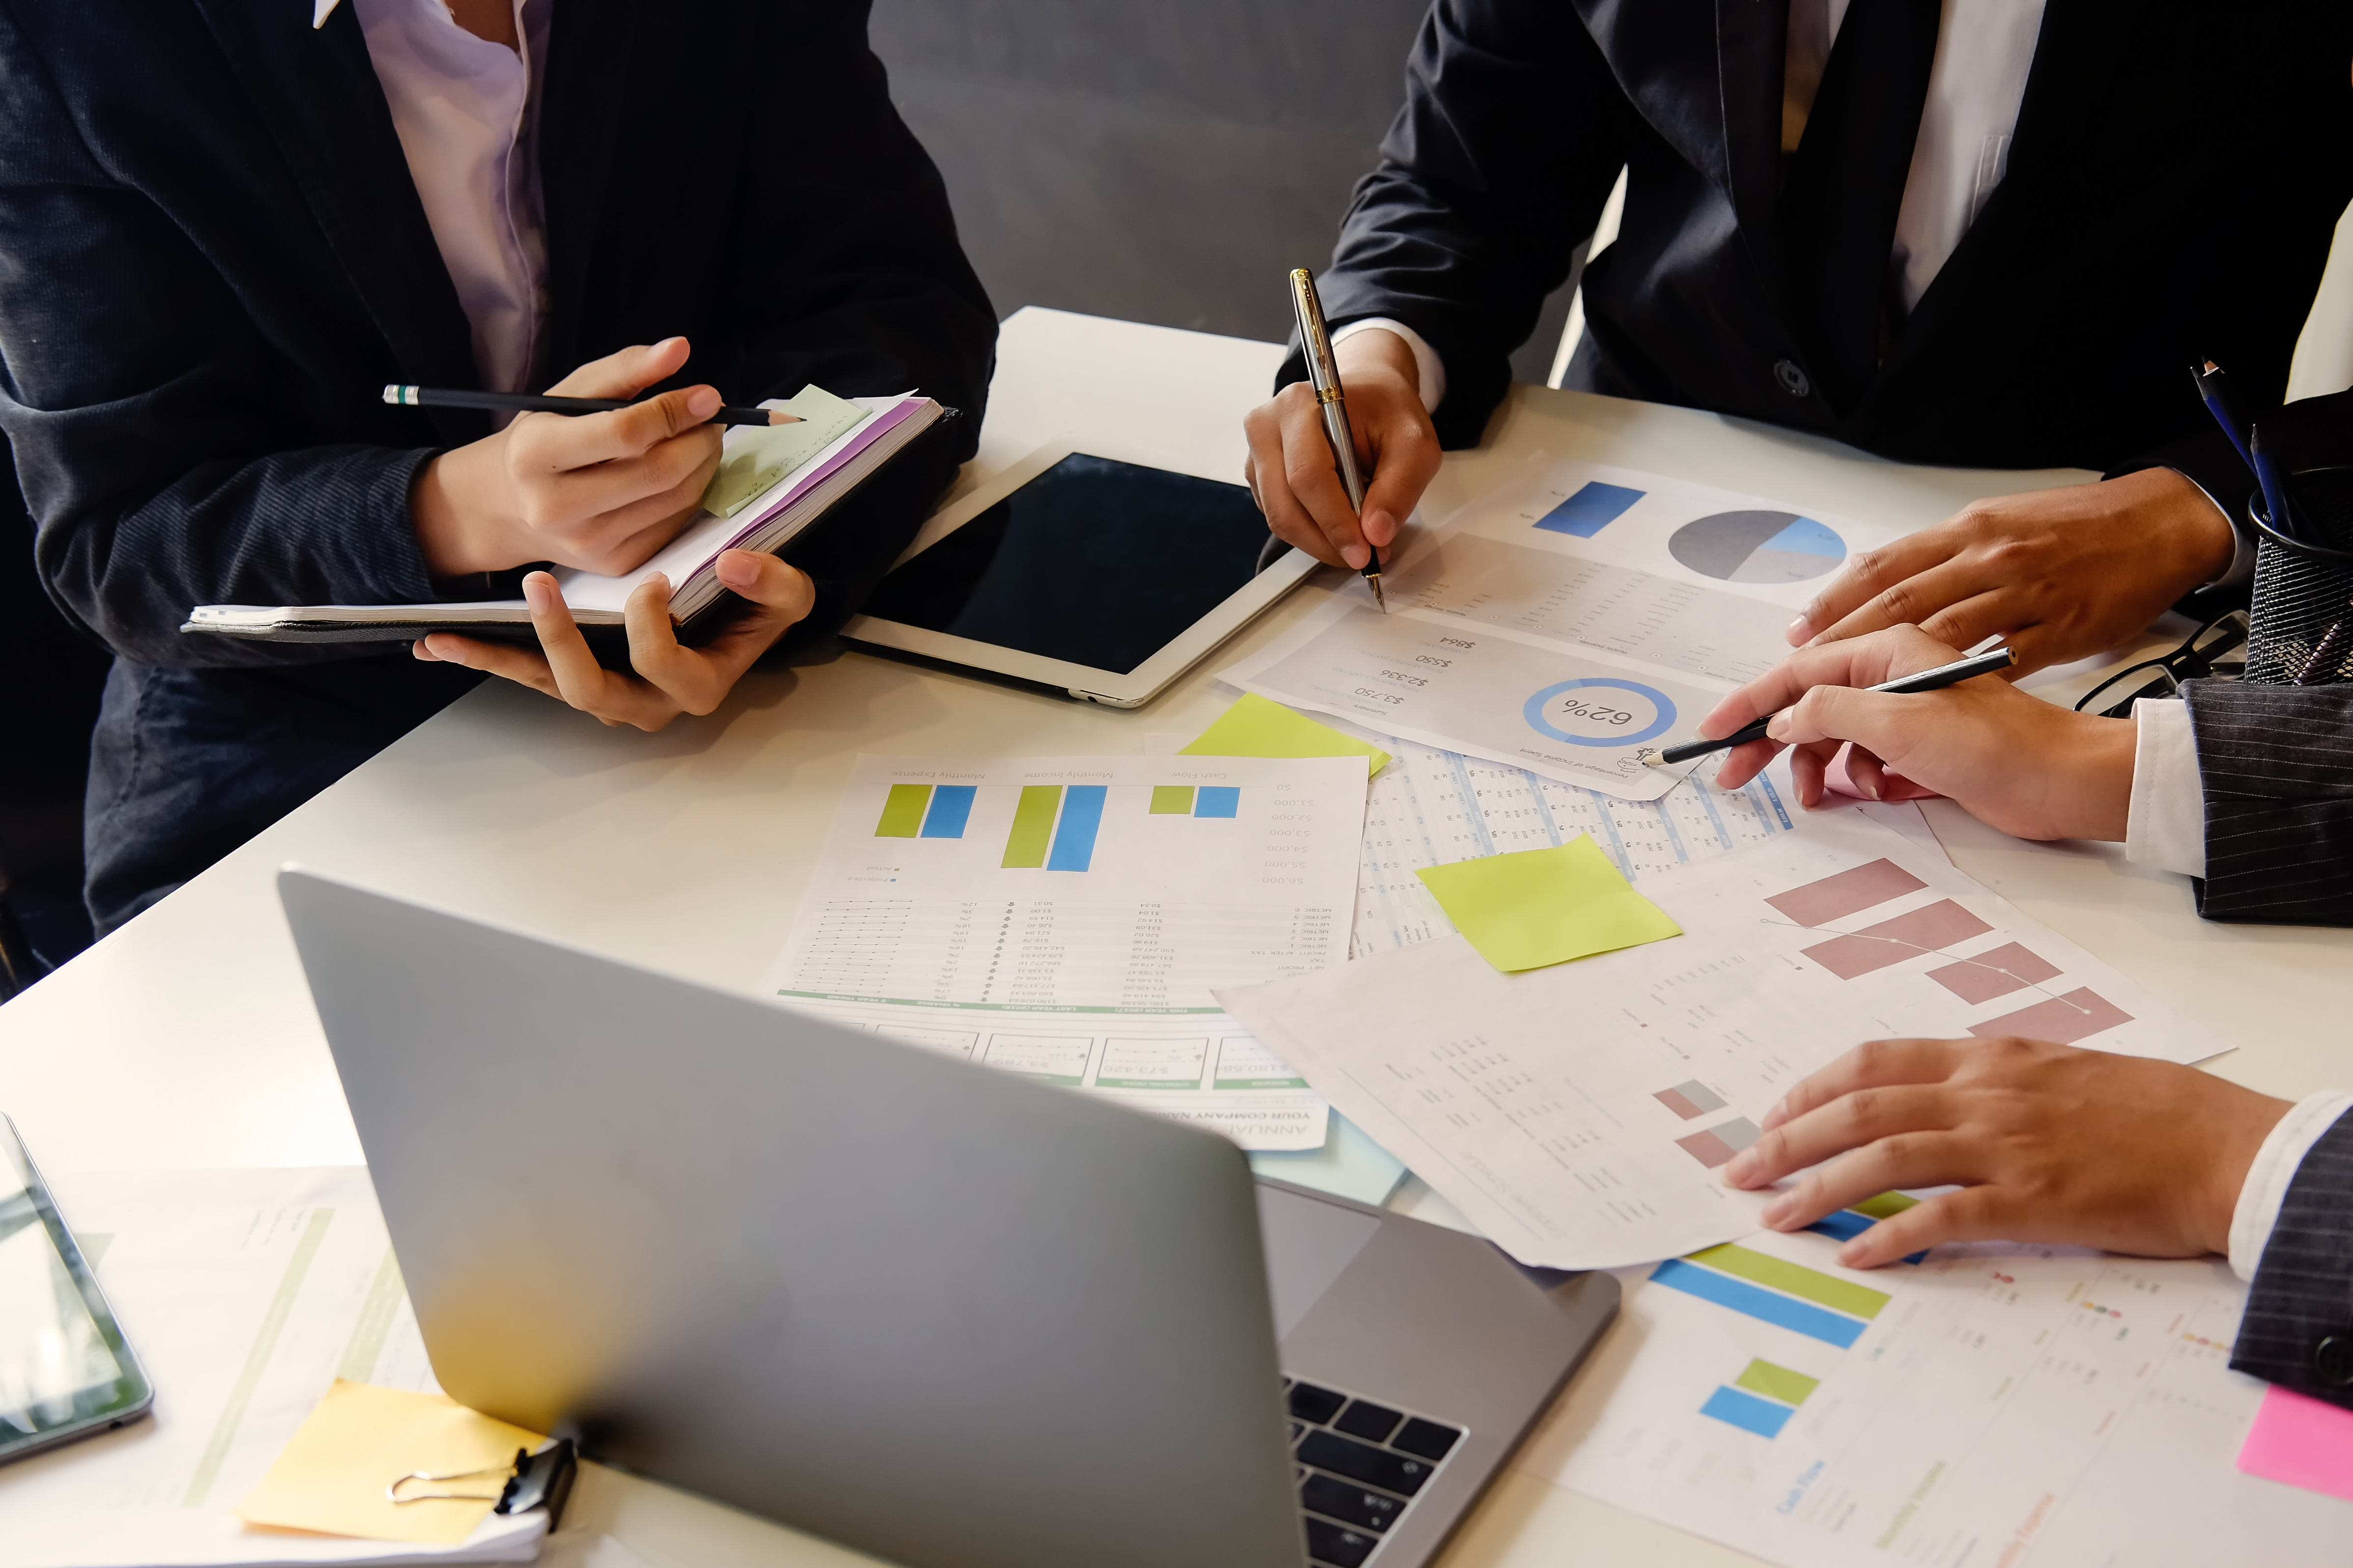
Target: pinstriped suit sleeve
{"x": 2277, "y": 765}
{"x": 2302, "y": 1299}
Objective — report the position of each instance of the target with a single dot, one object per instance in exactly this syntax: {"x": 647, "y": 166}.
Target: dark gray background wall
{"x": 1160, "y": 162}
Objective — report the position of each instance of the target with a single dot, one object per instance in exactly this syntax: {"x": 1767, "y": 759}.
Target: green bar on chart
{"x": 1033, "y": 826}
{"x": 1777, "y": 1383}
{"x": 1795, "y": 1279}
{"x": 903, "y": 814}
{"x": 1886, "y": 1206}
{"x": 1172, "y": 800}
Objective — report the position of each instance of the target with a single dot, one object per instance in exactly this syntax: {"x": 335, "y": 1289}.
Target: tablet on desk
{"x": 1080, "y": 572}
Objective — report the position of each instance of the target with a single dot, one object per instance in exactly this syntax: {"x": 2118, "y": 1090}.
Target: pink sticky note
{"x": 2302, "y": 1441}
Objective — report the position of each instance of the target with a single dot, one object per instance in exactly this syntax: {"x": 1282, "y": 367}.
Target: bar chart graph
{"x": 925, "y": 811}
{"x": 1774, "y": 1291}
{"x": 1761, "y": 1399}
{"x": 1064, "y": 919}
{"x": 1934, "y": 931}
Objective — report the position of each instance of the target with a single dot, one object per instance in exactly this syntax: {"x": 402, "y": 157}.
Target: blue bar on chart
{"x": 1217, "y": 800}
{"x": 1590, "y": 509}
{"x": 951, "y": 809}
{"x": 1074, "y": 835}
{"x": 1845, "y": 1225}
{"x": 1756, "y": 1301}
{"x": 1747, "y": 1412}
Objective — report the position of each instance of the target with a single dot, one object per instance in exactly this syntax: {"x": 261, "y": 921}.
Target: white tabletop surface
{"x": 187, "y": 1037}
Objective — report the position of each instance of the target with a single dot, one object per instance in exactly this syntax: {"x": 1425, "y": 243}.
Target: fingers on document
{"x": 1861, "y": 597}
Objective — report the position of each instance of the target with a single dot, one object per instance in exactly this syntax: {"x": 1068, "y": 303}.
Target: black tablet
{"x": 65, "y": 1369}
{"x": 1084, "y": 573}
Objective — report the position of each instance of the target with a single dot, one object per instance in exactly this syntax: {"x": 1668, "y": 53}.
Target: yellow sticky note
{"x": 1255, "y": 727}
{"x": 333, "y": 1475}
{"x": 1545, "y": 906}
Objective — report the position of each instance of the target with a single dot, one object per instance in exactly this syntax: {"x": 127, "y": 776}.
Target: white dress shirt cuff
{"x": 2165, "y": 823}
{"x": 1427, "y": 366}
{"x": 2242, "y": 545}
{"x": 2269, "y": 1178}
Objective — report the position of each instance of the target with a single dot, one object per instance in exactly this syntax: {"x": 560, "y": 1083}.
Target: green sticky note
{"x": 755, "y": 460}
{"x": 1545, "y": 906}
{"x": 1255, "y": 727}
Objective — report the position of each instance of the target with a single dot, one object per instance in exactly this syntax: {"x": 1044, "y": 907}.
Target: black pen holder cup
{"x": 2301, "y": 623}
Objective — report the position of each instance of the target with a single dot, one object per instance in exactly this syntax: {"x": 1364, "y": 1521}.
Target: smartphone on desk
{"x": 65, "y": 1371}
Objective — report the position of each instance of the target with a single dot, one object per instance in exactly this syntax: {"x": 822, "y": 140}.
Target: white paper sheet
{"x": 1565, "y": 620}
{"x": 1090, "y": 967}
{"x": 2011, "y": 1406}
{"x": 245, "y": 1295}
{"x": 1578, "y": 1114}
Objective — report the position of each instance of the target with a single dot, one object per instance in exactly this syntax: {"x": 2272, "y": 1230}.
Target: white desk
{"x": 187, "y": 1038}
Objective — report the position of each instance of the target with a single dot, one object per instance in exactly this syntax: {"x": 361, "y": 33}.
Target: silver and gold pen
{"x": 1324, "y": 375}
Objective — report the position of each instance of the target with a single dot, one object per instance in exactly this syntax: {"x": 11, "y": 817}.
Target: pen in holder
{"x": 2301, "y": 623}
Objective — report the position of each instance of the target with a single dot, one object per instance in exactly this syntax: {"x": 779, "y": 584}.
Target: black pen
{"x": 2209, "y": 377}
{"x": 524, "y": 403}
{"x": 1324, "y": 375}
{"x": 1934, "y": 679}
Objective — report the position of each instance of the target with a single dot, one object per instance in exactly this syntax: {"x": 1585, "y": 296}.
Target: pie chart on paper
{"x": 1758, "y": 547}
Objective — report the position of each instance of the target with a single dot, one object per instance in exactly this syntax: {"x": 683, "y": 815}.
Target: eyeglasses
{"x": 2198, "y": 659}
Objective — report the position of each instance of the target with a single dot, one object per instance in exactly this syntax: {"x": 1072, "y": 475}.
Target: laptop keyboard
{"x": 1360, "y": 1467}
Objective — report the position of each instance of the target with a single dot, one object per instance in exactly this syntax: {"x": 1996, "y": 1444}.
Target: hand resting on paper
{"x": 666, "y": 680}
{"x": 2046, "y": 1142}
{"x": 1290, "y": 469}
{"x": 2061, "y": 573}
{"x": 2013, "y": 761}
{"x": 598, "y": 491}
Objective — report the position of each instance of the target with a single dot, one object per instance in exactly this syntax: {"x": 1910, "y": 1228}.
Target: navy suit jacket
{"x": 213, "y": 259}
{"x": 2173, "y": 184}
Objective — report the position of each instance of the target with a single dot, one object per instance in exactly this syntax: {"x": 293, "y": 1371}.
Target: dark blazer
{"x": 2176, "y": 175}
{"x": 2298, "y": 1326}
{"x": 213, "y": 259}
{"x": 2276, "y": 765}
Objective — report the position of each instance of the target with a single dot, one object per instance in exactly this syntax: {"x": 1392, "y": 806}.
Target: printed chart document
{"x": 1578, "y": 1114}
{"x": 1567, "y": 620}
{"x": 245, "y": 1294}
{"x": 1065, "y": 918}
{"x": 1994, "y": 1405}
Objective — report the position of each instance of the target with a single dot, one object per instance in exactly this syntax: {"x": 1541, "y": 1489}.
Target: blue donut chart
{"x": 1535, "y": 711}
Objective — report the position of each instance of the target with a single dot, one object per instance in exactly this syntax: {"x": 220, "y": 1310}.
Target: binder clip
{"x": 541, "y": 1480}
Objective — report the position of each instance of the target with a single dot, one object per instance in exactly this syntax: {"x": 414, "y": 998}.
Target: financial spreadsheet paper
{"x": 1566, "y": 619}
{"x": 1580, "y": 1115}
{"x": 1064, "y": 918}
{"x": 1996, "y": 1403}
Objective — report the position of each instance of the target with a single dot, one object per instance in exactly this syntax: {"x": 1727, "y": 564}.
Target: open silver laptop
{"x": 929, "y": 1310}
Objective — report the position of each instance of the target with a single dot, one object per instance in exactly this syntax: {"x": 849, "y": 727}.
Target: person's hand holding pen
{"x": 2011, "y": 760}
{"x": 1290, "y": 469}
{"x": 601, "y": 492}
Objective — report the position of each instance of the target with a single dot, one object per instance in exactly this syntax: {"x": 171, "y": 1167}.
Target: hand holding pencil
{"x": 601, "y": 491}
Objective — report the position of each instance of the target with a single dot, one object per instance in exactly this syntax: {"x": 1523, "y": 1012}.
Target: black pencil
{"x": 1934, "y": 679}
{"x": 525, "y": 403}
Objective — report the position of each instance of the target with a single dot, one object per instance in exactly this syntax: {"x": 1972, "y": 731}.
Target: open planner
{"x": 773, "y": 484}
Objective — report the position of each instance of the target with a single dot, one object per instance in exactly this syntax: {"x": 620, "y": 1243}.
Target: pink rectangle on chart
{"x": 1706, "y": 1148}
{"x": 1833, "y": 898}
{"x": 2301, "y": 1441}
{"x": 1993, "y": 973}
{"x": 1675, "y": 1102}
{"x": 2077, "y": 1015}
{"x": 1939, "y": 925}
